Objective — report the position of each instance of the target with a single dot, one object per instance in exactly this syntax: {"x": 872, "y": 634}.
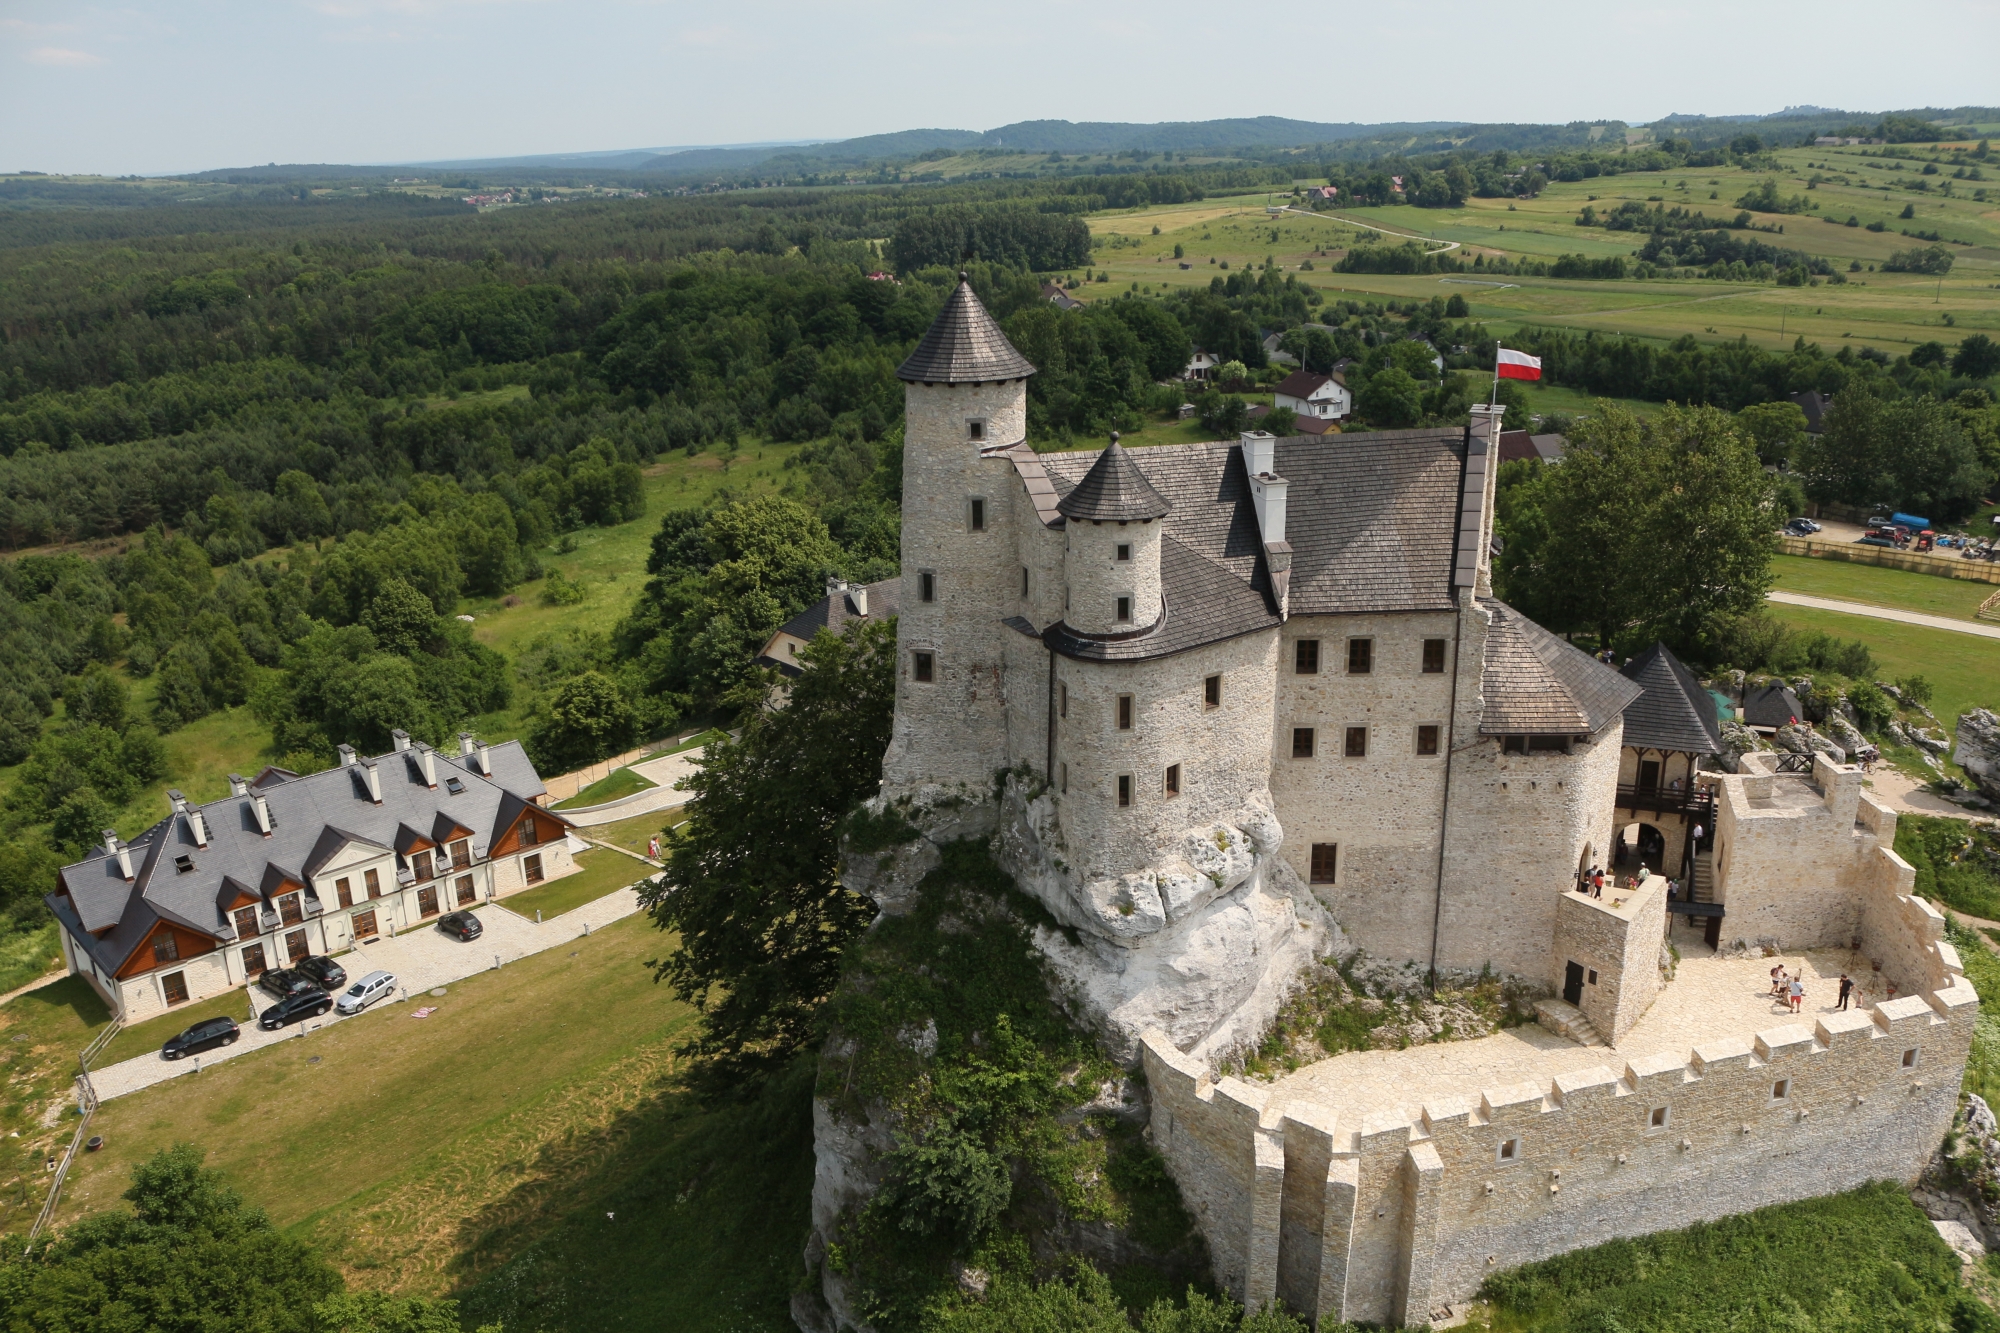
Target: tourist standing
{"x": 1846, "y": 989}
{"x": 1798, "y": 990}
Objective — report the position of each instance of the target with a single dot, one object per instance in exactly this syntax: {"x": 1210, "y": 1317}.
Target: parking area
{"x": 422, "y": 960}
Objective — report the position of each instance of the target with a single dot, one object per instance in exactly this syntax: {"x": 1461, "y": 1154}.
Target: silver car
{"x": 365, "y": 992}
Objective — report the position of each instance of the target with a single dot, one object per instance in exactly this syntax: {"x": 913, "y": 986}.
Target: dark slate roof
{"x": 1534, "y": 684}
{"x": 964, "y": 346}
{"x": 1771, "y": 706}
{"x": 1302, "y": 384}
{"x": 1675, "y": 712}
{"x": 1814, "y": 404}
{"x": 1114, "y": 491}
{"x": 834, "y": 614}
{"x": 312, "y": 814}
{"x": 1204, "y": 603}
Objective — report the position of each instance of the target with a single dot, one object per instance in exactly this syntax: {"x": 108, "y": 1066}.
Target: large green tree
{"x": 1906, "y": 453}
{"x": 752, "y": 881}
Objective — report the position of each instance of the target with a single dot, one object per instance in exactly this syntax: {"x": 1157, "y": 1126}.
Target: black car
{"x": 1801, "y": 527}
{"x": 203, "y": 1036}
{"x": 282, "y": 981}
{"x": 309, "y": 1003}
{"x": 328, "y": 975}
{"x": 461, "y": 926}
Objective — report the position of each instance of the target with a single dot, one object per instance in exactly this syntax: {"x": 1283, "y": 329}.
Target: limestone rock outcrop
{"x": 1978, "y": 750}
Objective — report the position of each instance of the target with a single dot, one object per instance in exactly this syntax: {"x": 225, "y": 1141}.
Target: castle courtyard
{"x": 1710, "y": 999}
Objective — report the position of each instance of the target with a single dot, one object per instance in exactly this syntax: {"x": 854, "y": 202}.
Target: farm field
{"x": 1887, "y": 310}
{"x": 1881, "y": 587}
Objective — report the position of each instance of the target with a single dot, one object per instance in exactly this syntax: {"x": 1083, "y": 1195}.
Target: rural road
{"x": 1886, "y": 613}
{"x": 1399, "y": 235}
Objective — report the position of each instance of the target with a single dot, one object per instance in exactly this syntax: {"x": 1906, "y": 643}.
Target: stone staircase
{"x": 1566, "y": 1020}
{"x": 1702, "y": 889}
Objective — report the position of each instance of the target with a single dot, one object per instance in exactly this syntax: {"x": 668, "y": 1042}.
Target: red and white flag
{"x": 1518, "y": 366}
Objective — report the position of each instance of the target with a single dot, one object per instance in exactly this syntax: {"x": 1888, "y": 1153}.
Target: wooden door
{"x": 467, "y": 895}
{"x": 427, "y": 901}
{"x": 254, "y": 965}
{"x": 175, "y": 985}
{"x": 1649, "y": 775}
{"x": 1573, "y": 982}
{"x": 295, "y": 945}
{"x": 364, "y": 924}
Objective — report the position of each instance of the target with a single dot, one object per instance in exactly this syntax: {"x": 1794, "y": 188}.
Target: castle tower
{"x": 1111, "y": 561}
{"x": 965, "y": 406}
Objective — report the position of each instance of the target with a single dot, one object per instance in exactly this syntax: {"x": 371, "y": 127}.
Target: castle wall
{"x": 1616, "y": 940}
{"x": 1097, "y": 578}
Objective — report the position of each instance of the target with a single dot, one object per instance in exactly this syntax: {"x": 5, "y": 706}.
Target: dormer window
{"x": 183, "y": 863}
{"x": 454, "y": 786}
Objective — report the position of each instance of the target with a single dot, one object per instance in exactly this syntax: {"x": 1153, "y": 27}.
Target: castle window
{"x": 1302, "y": 742}
{"x": 1513, "y": 745}
{"x": 926, "y": 586}
{"x": 1124, "y": 550}
{"x": 1211, "y": 692}
{"x": 1305, "y": 659}
{"x": 1124, "y": 712}
{"x": 1591, "y": 976}
{"x": 1325, "y": 862}
{"x": 1356, "y": 746}
{"x": 923, "y": 667}
{"x": 1174, "y": 782}
{"x": 975, "y": 429}
{"x": 1548, "y": 745}
{"x": 1508, "y": 1151}
{"x": 1124, "y": 609}
{"x": 1433, "y": 657}
{"x": 1910, "y": 1058}
{"x": 1360, "y": 656}
{"x": 1427, "y": 738}
{"x": 1781, "y": 1090}
{"x": 1024, "y": 580}
{"x": 1658, "y": 1119}
{"x": 975, "y": 514}
{"x": 1062, "y": 698}
{"x": 1124, "y": 789}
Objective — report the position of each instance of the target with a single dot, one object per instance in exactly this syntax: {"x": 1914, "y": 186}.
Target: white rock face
{"x": 1978, "y": 750}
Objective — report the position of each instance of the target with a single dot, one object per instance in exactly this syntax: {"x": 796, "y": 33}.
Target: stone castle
{"x": 1209, "y": 700}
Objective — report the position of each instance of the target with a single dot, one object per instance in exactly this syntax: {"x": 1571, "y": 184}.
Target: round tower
{"x": 965, "y": 406}
{"x": 1111, "y": 558}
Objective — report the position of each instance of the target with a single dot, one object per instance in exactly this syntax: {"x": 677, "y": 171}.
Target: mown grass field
{"x": 619, "y": 782}
{"x": 1963, "y": 669}
{"x": 601, "y": 871}
{"x": 480, "y": 1150}
{"x": 634, "y": 833}
{"x": 1900, "y": 588}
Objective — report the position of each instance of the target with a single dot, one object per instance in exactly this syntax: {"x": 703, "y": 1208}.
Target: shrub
{"x": 1873, "y": 707}
{"x": 1916, "y": 689}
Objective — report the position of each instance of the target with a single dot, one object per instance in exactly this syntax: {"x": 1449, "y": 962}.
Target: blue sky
{"x": 157, "y": 87}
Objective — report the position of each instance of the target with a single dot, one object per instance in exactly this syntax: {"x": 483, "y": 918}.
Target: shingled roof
{"x": 1114, "y": 491}
{"x": 1534, "y": 684}
{"x": 964, "y": 346}
{"x": 1675, "y": 711}
{"x": 1203, "y": 603}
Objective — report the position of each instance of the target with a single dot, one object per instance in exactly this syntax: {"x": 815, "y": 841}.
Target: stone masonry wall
{"x": 1616, "y": 939}
{"x": 1795, "y": 858}
{"x": 1096, "y": 577}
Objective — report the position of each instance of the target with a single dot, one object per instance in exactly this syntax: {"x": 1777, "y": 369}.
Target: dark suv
{"x": 282, "y": 981}
{"x": 461, "y": 926}
{"x": 328, "y": 975}
{"x": 203, "y": 1036}
{"x": 300, "y": 1004}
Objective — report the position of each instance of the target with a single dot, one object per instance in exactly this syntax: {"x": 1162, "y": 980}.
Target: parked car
{"x": 282, "y": 981}
{"x": 1873, "y": 540}
{"x": 310, "y": 1003}
{"x": 327, "y": 974}
{"x": 203, "y": 1036}
{"x": 1801, "y": 527}
{"x": 461, "y": 926}
{"x": 365, "y": 992}
{"x": 1810, "y": 524}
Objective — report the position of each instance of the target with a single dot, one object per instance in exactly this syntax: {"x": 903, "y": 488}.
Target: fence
{"x": 565, "y": 785}
{"x": 1990, "y": 608}
{"x": 1941, "y": 566}
{"x": 86, "y": 1104}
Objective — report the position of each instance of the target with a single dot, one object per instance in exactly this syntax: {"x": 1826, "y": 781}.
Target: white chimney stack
{"x": 177, "y": 801}
{"x": 1267, "y": 489}
{"x": 401, "y": 739}
{"x": 238, "y": 786}
{"x": 427, "y": 761}
{"x": 346, "y": 756}
{"x": 262, "y": 809}
{"x": 110, "y": 841}
{"x": 119, "y": 850}
{"x": 199, "y": 827}
{"x": 860, "y": 594}
{"x": 485, "y": 760}
{"x": 1260, "y": 451}
{"x": 374, "y": 777}
{"x": 465, "y": 745}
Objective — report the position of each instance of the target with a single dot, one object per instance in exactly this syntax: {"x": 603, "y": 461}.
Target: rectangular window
{"x": 1658, "y": 1119}
{"x": 364, "y": 924}
{"x": 1124, "y": 550}
{"x": 464, "y": 891}
{"x": 1433, "y": 657}
{"x": 1065, "y": 779}
{"x": 1356, "y": 746}
{"x": 253, "y": 961}
{"x": 461, "y": 854}
{"x": 1123, "y": 609}
{"x": 532, "y": 869}
{"x": 1325, "y": 862}
{"x": 427, "y": 899}
{"x": 166, "y": 949}
{"x": 295, "y": 945}
{"x": 246, "y": 923}
{"x": 1427, "y": 738}
{"x": 1124, "y": 712}
{"x": 1781, "y": 1090}
{"x": 1360, "y": 656}
{"x": 1124, "y": 789}
{"x": 1211, "y": 692}
{"x": 1591, "y": 976}
{"x": 1548, "y": 745}
{"x": 1024, "y": 580}
{"x": 420, "y": 864}
{"x": 373, "y": 880}
{"x": 1508, "y": 1151}
{"x": 1302, "y": 742}
{"x": 175, "y": 984}
{"x": 1062, "y": 698}
{"x": 926, "y": 586}
{"x": 290, "y": 910}
{"x": 1513, "y": 745}
{"x": 1173, "y": 780}
{"x": 530, "y": 835}
{"x": 343, "y": 892}
{"x": 975, "y": 429}
{"x": 923, "y": 667}
{"x": 1305, "y": 657}
{"x": 1910, "y": 1058}
{"x": 975, "y": 514}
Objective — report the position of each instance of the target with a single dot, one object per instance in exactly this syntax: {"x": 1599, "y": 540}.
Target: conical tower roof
{"x": 964, "y": 346}
{"x": 1114, "y": 491}
{"x": 1676, "y": 712}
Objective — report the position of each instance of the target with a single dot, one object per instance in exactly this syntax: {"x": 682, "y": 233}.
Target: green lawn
{"x": 620, "y": 782}
{"x": 150, "y": 1035}
{"x": 1963, "y": 669}
{"x": 1900, "y": 588}
{"x": 636, "y": 832}
{"x": 603, "y": 871}
{"x": 40, "y": 1035}
{"x": 29, "y": 955}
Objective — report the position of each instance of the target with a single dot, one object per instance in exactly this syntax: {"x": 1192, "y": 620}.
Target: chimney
{"x": 1260, "y": 451}
{"x": 374, "y": 777}
{"x": 859, "y": 592}
{"x": 238, "y": 786}
{"x": 177, "y": 801}
{"x": 262, "y": 809}
{"x": 110, "y": 841}
{"x": 119, "y": 850}
{"x": 1475, "y": 508}
{"x": 427, "y": 761}
{"x": 1267, "y": 489}
{"x": 401, "y": 739}
{"x": 199, "y": 827}
{"x": 485, "y": 760}
{"x": 346, "y": 756}
{"x": 465, "y": 745}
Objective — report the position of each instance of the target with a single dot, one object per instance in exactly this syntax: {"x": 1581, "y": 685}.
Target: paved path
{"x": 36, "y": 984}
{"x": 420, "y": 959}
{"x": 663, "y": 772}
{"x": 1355, "y": 222}
{"x": 1887, "y": 613}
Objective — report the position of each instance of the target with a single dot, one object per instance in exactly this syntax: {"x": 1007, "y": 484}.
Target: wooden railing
{"x": 87, "y": 1105}
{"x": 1631, "y": 796}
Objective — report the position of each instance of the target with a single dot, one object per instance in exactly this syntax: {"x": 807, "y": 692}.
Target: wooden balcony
{"x": 1665, "y": 800}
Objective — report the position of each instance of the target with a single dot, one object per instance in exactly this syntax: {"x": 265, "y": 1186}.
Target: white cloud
{"x": 62, "y": 55}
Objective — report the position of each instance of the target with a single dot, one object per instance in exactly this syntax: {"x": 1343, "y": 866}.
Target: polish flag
{"x": 1518, "y": 366}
